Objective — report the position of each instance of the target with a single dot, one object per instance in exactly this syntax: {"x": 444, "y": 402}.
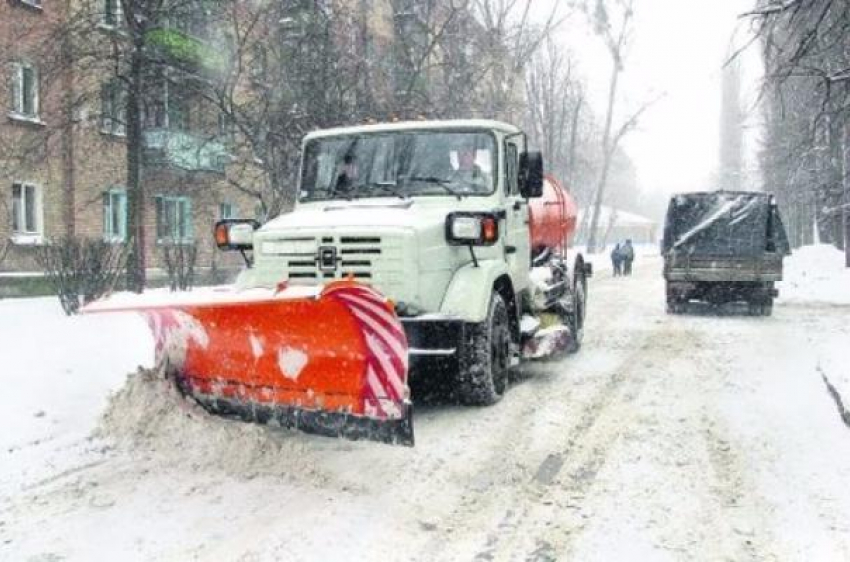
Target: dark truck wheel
{"x": 760, "y": 306}
{"x": 575, "y": 319}
{"x": 485, "y": 358}
{"x": 760, "y": 300}
{"x": 675, "y": 303}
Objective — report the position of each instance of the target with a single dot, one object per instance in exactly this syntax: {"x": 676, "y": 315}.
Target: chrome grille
{"x": 374, "y": 259}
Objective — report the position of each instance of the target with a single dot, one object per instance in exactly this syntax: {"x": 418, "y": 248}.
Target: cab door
{"x": 517, "y": 233}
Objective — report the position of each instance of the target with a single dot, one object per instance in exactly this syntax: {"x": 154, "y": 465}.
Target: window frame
{"x": 118, "y": 15}
{"x": 182, "y": 222}
{"x": 19, "y": 231}
{"x": 233, "y": 211}
{"x": 109, "y": 234}
{"x": 17, "y": 92}
{"x": 511, "y": 167}
{"x": 113, "y": 119}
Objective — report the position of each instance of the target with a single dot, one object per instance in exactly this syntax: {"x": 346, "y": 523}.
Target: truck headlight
{"x": 477, "y": 229}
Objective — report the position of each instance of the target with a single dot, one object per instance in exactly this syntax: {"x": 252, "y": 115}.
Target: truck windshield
{"x": 398, "y": 164}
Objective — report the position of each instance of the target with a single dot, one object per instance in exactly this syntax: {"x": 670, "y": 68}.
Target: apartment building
{"x": 63, "y": 148}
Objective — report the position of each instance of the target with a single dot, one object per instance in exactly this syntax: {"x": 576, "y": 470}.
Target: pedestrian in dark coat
{"x": 617, "y": 260}
{"x": 628, "y": 255}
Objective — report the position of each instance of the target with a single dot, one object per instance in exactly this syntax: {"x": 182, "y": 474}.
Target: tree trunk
{"x": 845, "y": 180}
{"x": 606, "y": 158}
{"x": 571, "y": 162}
{"x": 68, "y": 168}
{"x": 135, "y": 188}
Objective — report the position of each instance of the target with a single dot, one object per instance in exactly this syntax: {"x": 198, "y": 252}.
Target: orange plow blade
{"x": 331, "y": 360}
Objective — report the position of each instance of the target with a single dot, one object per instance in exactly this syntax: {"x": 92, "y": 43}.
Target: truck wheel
{"x": 576, "y": 318}
{"x": 485, "y": 359}
{"x": 675, "y": 305}
{"x": 762, "y": 306}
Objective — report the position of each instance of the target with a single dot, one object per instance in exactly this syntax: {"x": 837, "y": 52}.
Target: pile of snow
{"x": 149, "y": 417}
{"x": 815, "y": 274}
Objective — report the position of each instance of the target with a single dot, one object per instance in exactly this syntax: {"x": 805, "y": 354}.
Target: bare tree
{"x": 616, "y": 40}
{"x": 806, "y": 49}
{"x": 511, "y": 40}
{"x": 613, "y": 22}
{"x": 559, "y": 119}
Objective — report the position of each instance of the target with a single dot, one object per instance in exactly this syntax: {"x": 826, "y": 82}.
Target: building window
{"x": 115, "y": 215}
{"x": 113, "y": 108}
{"x": 227, "y": 211}
{"x": 26, "y": 211}
{"x": 112, "y": 15}
{"x": 24, "y": 90}
{"x": 173, "y": 219}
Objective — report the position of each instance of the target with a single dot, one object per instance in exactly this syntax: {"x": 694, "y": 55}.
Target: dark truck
{"x": 721, "y": 247}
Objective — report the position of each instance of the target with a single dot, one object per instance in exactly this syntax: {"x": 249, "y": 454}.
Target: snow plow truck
{"x": 410, "y": 243}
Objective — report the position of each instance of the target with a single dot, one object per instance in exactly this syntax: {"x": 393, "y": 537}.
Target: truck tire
{"x": 675, "y": 304}
{"x": 576, "y": 317}
{"x": 485, "y": 357}
{"x": 761, "y": 306}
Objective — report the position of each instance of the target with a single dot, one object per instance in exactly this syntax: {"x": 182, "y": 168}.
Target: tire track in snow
{"x": 549, "y": 525}
{"x": 735, "y": 496}
{"x": 518, "y": 487}
{"x": 572, "y": 465}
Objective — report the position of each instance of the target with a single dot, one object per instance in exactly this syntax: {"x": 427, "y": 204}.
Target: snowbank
{"x": 815, "y": 274}
{"x": 58, "y": 370}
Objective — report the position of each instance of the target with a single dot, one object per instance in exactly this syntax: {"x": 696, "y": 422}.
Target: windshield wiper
{"x": 369, "y": 190}
{"x": 437, "y": 181}
{"x": 390, "y": 188}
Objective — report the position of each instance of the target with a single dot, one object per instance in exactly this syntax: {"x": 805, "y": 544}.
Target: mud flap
{"x": 332, "y": 360}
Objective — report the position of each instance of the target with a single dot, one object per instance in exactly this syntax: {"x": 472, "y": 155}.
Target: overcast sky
{"x": 678, "y": 49}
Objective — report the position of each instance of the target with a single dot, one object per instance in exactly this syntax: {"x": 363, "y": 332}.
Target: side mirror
{"x": 531, "y": 174}
{"x": 235, "y": 234}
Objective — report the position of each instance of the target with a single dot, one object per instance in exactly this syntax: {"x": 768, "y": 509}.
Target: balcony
{"x": 187, "y": 51}
{"x": 185, "y": 151}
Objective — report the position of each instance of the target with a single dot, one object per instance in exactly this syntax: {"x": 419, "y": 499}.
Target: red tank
{"x": 553, "y": 218}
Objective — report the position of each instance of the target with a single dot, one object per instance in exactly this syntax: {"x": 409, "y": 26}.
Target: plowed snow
{"x": 148, "y": 416}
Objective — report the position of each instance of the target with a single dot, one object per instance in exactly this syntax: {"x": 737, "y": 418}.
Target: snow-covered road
{"x": 691, "y": 437}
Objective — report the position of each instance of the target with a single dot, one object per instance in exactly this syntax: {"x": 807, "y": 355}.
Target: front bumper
{"x": 428, "y": 336}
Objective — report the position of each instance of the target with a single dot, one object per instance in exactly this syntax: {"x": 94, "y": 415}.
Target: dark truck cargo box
{"x": 723, "y": 246}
